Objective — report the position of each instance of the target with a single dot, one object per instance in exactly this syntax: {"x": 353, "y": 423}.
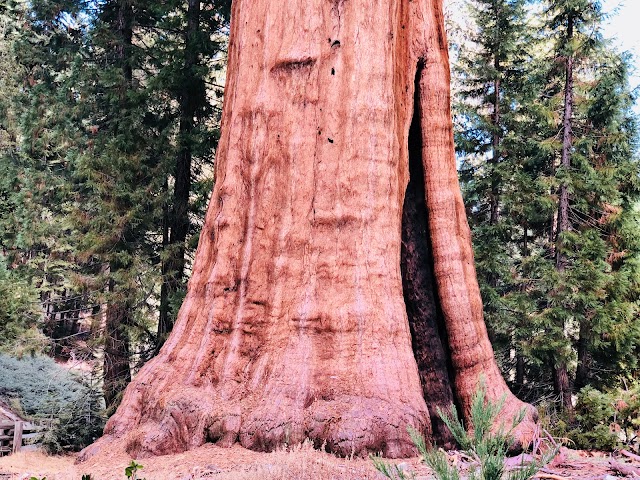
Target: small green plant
{"x": 390, "y": 470}
{"x": 485, "y": 445}
{"x": 132, "y": 470}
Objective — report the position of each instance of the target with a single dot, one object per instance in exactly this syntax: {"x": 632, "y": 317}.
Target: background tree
{"x": 493, "y": 109}
{"x": 96, "y": 114}
{"x": 548, "y": 275}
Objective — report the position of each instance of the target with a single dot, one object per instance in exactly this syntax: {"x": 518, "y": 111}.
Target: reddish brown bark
{"x": 562, "y": 386}
{"x": 295, "y": 324}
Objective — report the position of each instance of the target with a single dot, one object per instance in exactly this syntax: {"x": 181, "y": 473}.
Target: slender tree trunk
{"x": 562, "y": 382}
{"x": 562, "y": 386}
{"x": 565, "y": 159}
{"x": 584, "y": 358}
{"x": 495, "y": 158}
{"x": 191, "y": 98}
{"x": 124, "y": 27}
{"x": 116, "y": 368}
{"x": 295, "y": 324}
{"x": 163, "y": 310}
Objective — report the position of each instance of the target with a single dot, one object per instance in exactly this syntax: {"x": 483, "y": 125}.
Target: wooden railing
{"x": 13, "y": 434}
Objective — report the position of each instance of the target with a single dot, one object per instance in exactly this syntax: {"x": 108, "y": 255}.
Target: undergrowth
{"x": 486, "y": 446}
{"x": 605, "y": 419}
{"x": 42, "y": 391}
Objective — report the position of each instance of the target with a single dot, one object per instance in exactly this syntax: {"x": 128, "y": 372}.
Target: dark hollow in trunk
{"x": 428, "y": 332}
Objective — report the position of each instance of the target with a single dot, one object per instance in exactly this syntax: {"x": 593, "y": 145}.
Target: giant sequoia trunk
{"x": 296, "y": 324}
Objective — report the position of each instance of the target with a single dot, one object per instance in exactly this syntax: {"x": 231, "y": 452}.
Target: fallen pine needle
{"x": 550, "y": 476}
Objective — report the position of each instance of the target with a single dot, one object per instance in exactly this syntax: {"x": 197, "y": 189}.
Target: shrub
{"x": 608, "y": 419}
{"x": 487, "y": 446}
{"x": 605, "y": 419}
{"x": 42, "y": 390}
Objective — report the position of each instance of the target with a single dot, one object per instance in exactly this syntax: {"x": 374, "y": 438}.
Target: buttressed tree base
{"x": 334, "y": 294}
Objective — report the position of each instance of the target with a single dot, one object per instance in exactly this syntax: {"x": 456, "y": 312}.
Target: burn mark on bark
{"x": 336, "y": 4}
{"x": 289, "y": 66}
{"x": 426, "y": 322}
{"x": 234, "y": 287}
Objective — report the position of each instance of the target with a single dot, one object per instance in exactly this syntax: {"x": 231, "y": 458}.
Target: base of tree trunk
{"x": 184, "y": 418}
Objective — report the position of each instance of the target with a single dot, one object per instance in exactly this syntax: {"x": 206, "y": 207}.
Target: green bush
{"x": 42, "y": 390}
{"x": 605, "y": 419}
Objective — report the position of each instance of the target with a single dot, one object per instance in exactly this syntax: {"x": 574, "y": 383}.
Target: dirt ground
{"x": 237, "y": 463}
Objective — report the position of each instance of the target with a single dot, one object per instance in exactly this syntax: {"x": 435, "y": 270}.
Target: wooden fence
{"x": 13, "y": 434}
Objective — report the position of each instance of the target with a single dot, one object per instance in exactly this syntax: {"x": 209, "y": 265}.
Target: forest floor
{"x": 237, "y": 463}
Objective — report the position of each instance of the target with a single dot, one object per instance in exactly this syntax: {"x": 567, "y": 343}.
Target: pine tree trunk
{"x": 295, "y": 324}
{"x": 495, "y": 158}
{"x": 116, "y": 368}
{"x": 164, "y": 313}
{"x": 584, "y": 358}
{"x": 191, "y": 99}
{"x": 519, "y": 370}
{"x": 565, "y": 159}
{"x": 563, "y": 386}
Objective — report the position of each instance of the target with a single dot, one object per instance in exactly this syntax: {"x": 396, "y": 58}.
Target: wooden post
{"x": 17, "y": 436}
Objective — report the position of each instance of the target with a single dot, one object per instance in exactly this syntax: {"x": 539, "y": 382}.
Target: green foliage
{"x": 390, "y": 470}
{"x": 605, "y": 420}
{"x": 132, "y": 470}
{"x": 484, "y": 443}
{"x": 18, "y": 313}
{"x": 511, "y": 81}
{"x": 42, "y": 390}
{"x": 98, "y": 104}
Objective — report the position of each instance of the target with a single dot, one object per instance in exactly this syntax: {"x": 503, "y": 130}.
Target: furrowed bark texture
{"x": 295, "y": 325}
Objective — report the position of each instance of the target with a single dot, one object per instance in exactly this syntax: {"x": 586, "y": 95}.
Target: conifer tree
{"x": 187, "y": 67}
{"x": 558, "y": 273}
{"x": 35, "y": 189}
{"x": 493, "y": 69}
{"x": 596, "y": 147}
{"x": 117, "y": 116}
